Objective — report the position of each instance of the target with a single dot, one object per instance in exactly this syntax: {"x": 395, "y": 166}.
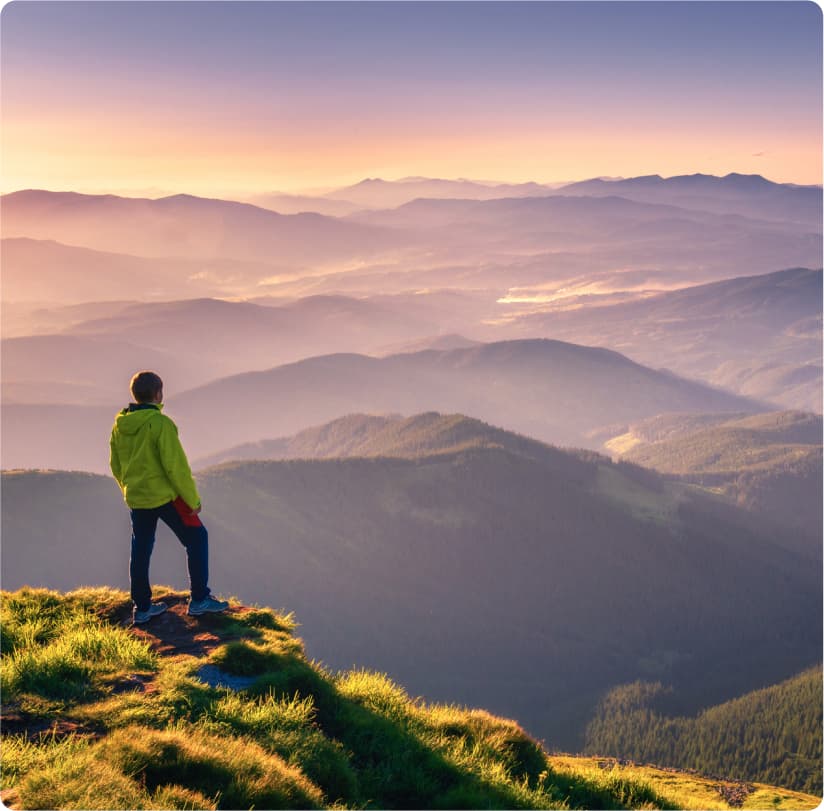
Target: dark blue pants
{"x": 194, "y": 539}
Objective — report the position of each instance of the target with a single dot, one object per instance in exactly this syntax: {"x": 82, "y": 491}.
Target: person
{"x": 151, "y": 467}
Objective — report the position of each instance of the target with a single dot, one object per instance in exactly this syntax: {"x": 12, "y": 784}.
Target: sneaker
{"x": 207, "y": 606}
{"x": 139, "y": 617}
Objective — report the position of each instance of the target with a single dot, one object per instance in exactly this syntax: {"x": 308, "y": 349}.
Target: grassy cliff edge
{"x": 226, "y": 711}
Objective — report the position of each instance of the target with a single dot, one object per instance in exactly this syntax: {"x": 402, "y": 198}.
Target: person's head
{"x": 147, "y": 387}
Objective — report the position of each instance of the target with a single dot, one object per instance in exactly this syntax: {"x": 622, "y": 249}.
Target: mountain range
{"x": 549, "y": 390}
{"x": 379, "y": 193}
{"x": 42, "y": 272}
{"x": 631, "y": 233}
{"x": 337, "y": 365}
{"x": 749, "y": 195}
{"x": 757, "y": 335}
{"x": 478, "y": 562}
{"x": 769, "y": 464}
{"x": 196, "y": 340}
{"x": 425, "y": 233}
{"x": 183, "y": 226}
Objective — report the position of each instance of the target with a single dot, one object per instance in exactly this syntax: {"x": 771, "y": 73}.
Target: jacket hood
{"x": 132, "y": 418}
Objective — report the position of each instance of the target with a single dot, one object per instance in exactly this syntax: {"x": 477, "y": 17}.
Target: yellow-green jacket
{"x": 148, "y": 460}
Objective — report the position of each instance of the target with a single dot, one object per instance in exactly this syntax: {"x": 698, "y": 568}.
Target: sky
{"x": 217, "y": 98}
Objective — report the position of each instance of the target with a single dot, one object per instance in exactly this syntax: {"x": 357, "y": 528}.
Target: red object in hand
{"x": 185, "y": 512}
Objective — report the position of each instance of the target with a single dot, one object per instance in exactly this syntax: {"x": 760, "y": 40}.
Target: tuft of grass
{"x": 82, "y": 782}
{"x": 590, "y": 787}
{"x": 376, "y": 692}
{"x": 234, "y": 772}
{"x": 286, "y": 727}
{"x": 22, "y": 756}
{"x": 180, "y": 797}
{"x": 182, "y": 767}
{"x": 296, "y": 676}
{"x": 102, "y": 601}
{"x": 242, "y": 658}
{"x": 477, "y": 736}
{"x": 266, "y": 618}
{"x": 65, "y": 658}
{"x": 54, "y": 646}
{"x": 265, "y": 713}
{"x": 30, "y": 617}
{"x": 395, "y": 767}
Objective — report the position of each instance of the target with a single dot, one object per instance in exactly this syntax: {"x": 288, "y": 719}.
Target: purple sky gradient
{"x": 284, "y": 95}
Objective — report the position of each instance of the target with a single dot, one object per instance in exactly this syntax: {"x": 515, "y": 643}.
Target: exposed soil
{"x": 175, "y": 633}
{"x": 15, "y": 722}
{"x": 735, "y": 793}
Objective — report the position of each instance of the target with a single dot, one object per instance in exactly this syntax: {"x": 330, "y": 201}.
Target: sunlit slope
{"x": 228, "y": 712}
{"x": 685, "y": 789}
{"x": 771, "y": 735}
{"x": 731, "y": 445}
{"x": 558, "y": 575}
{"x": 768, "y": 463}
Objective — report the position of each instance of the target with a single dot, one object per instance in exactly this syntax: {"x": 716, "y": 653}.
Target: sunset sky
{"x": 219, "y": 98}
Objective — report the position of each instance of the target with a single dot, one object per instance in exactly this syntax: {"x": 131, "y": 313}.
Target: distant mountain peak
{"x": 369, "y": 181}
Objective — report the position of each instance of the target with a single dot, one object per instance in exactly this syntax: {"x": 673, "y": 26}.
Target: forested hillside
{"x": 771, "y": 735}
{"x": 393, "y": 435}
{"x": 770, "y": 464}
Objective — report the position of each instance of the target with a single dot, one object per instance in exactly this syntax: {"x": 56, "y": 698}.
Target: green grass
{"x": 679, "y": 789}
{"x": 60, "y": 649}
{"x": 298, "y": 737}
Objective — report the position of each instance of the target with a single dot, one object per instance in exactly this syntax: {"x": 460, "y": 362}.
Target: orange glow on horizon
{"x": 91, "y": 102}
{"x": 95, "y": 155}
{"x": 127, "y": 144}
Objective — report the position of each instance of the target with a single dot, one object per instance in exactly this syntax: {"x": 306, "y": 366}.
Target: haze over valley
{"x": 493, "y": 336}
{"x": 252, "y": 289}
{"x": 573, "y": 320}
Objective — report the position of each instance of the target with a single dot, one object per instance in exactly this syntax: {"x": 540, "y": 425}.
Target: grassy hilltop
{"x": 227, "y": 712}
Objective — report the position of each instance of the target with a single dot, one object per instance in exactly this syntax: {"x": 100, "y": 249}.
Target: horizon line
{"x": 320, "y": 192}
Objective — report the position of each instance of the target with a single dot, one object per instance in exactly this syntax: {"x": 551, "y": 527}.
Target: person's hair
{"x": 145, "y": 386}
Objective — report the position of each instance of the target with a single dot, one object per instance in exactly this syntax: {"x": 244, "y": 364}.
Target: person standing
{"x": 150, "y": 465}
